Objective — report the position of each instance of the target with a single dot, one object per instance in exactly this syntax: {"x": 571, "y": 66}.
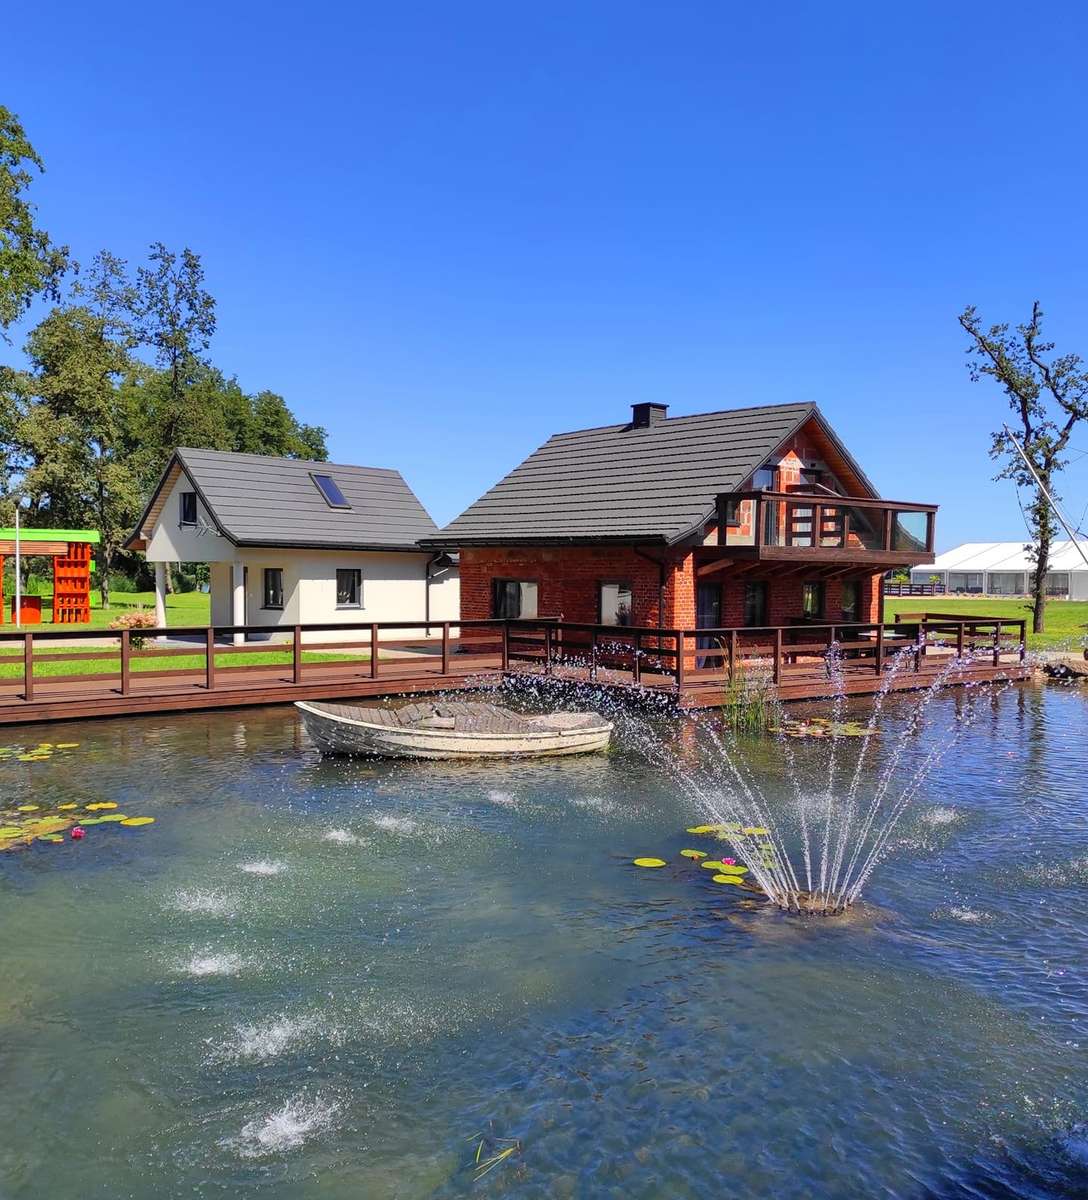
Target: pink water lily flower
{"x": 729, "y": 862}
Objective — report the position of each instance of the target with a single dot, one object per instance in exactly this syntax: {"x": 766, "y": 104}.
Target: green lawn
{"x": 1066, "y": 620}
{"x": 182, "y": 608}
{"x": 11, "y": 665}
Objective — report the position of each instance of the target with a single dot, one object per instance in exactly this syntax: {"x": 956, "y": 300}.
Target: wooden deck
{"x": 695, "y": 667}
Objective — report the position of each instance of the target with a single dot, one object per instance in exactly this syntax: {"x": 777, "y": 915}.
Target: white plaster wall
{"x": 394, "y": 589}
{"x": 172, "y": 542}
{"x": 1078, "y": 585}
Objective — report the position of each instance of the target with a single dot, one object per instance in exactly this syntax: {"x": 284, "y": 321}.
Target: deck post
{"x": 997, "y": 643}
{"x": 445, "y": 647}
{"x": 547, "y": 649}
{"x": 679, "y": 659}
{"x": 918, "y": 644}
{"x": 880, "y": 649}
{"x": 636, "y": 661}
{"x": 126, "y": 646}
{"x": 777, "y": 669}
{"x": 209, "y": 658}
{"x": 296, "y": 655}
{"x": 505, "y": 646}
{"x": 1023, "y": 640}
{"x": 373, "y": 652}
{"x": 28, "y": 666}
{"x": 732, "y": 654}
{"x": 959, "y": 641}
{"x": 593, "y": 655}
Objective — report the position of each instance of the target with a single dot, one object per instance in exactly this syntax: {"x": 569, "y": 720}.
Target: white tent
{"x": 1004, "y": 569}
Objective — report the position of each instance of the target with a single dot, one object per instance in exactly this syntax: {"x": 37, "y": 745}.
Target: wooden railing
{"x": 914, "y": 589}
{"x": 405, "y": 650}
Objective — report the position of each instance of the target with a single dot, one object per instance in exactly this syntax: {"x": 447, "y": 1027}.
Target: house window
{"x": 349, "y": 587}
{"x": 755, "y": 603}
{"x": 188, "y": 508}
{"x": 513, "y": 598}
{"x": 273, "y": 587}
{"x": 614, "y": 604}
{"x": 330, "y": 490}
{"x": 850, "y": 600}
{"x": 812, "y": 600}
{"x": 764, "y": 479}
{"x": 732, "y": 514}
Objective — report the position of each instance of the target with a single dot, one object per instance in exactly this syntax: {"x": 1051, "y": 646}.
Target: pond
{"x": 333, "y": 979}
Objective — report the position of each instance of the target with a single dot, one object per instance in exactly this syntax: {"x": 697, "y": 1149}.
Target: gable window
{"x": 755, "y": 603}
{"x": 732, "y": 514}
{"x": 614, "y": 604}
{"x": 812, "y": 600}
{"x": 188, "y": 508}
{"x": 513, "y": 598}
{"x": 850, "y": 599}
{"x": 349, "y": 587}
{"x": 273, "y": 587}
{"x": 763, "y": 480}
{"x": 330, "y": 490}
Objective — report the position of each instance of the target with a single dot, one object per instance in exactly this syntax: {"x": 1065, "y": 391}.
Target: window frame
{"x": 265, "y": 605}
{"x": 616, "y": 583}
{"x": 854, "y": 584}
{"x": 318, "y": 475}
{"x": 498, "y": 581}
{"x": 813, "y": 587}
{"x": 750, "y": 586}
{"x": 357, "y": 603}
{"x": 183, "y": 521}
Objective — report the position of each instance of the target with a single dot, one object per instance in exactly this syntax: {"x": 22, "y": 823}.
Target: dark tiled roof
{"x": 652, "y": 482}
{"x": 258, "y": 500}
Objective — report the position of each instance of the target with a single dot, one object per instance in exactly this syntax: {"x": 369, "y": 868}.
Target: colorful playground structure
{"x": 70, "y": 550}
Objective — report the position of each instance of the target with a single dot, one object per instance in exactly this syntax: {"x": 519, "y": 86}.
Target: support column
{"x": 238, "y": 604}
{"x": 160, "y": 595}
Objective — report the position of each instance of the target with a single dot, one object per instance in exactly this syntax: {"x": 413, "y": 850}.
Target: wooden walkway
{"x": 675, "y": 662}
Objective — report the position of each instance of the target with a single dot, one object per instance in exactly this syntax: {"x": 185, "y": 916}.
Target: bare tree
{"x": 1048, "y": 395}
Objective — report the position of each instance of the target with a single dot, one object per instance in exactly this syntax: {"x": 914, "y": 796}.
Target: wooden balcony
{"x": 820, "y": 527}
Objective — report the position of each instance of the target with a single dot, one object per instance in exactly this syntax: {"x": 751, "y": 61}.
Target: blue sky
{"x": 446, "y": 231}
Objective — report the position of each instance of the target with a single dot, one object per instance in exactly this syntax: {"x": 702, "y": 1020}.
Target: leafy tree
{"x": 67, "y": 440}
{"x": 30, "y": 264}
{"x": 1048, "y": 395}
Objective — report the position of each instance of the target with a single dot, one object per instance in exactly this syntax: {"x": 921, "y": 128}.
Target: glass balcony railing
{"x": 824, "y": 522}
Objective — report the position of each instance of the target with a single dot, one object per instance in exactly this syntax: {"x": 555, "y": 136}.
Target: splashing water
{"x": 838, "y": 835}
{"x": 284, "y": 1128}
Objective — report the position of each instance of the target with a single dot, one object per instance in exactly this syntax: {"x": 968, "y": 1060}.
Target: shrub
{"x": 139, "y": 618}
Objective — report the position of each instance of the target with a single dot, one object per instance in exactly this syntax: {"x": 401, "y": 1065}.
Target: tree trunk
{"x": 1044, "y": 532}
{"x": 105, "y": 562}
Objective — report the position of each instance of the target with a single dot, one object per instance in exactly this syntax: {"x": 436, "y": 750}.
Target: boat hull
{"x": 346, "y": 736}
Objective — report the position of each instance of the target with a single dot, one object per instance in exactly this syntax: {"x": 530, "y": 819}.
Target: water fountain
{"x": 816, "y": 855}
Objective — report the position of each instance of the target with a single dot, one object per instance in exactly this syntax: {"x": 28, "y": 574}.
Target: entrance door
{"x": 708, "y": 615}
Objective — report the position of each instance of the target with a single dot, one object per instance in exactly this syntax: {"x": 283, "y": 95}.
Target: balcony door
{"x": 708, "y": 615}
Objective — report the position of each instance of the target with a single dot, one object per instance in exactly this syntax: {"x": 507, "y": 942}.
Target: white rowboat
{"x": 450, "y": 729}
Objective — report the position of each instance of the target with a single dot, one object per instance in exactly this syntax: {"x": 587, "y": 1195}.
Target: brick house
{"x": 746, "y": 518}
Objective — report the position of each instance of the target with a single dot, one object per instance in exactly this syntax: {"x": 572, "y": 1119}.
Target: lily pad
{"x": 10, "y": 831}
{"x": 727, "y": 869}
{"x": 712, "y": 865}
{"x": 53, "y": 838}
{"x": 698, "y": 829}
{"x": 66, "y": 807}
{"x": 67, "y": 745}
{"x": 725, "y": 879}
{"x": 693, "y": 853}
{"x": 756, "y": 831}
{"x": 101, "y": 804}
{"x": 150, "y": 820}
{"x": 639, "y": 862}
{"x": 28, "y": 808}
{"x": 110, "y": 817}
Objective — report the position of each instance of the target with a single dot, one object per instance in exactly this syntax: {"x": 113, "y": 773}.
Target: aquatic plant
{"x": 746, "y": 700}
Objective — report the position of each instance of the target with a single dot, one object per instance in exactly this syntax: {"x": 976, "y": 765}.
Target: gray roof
{"x": 257, "y": 500}
{"x": 656, "y": 482}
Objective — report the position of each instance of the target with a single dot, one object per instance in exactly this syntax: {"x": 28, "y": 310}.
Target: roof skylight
{"x": 330, "y": 489}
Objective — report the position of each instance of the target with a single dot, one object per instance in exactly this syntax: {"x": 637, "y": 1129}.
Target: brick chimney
{"x": 644, "y": 415}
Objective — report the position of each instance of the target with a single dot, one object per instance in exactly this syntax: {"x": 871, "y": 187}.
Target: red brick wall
{"x": 568, "y": 578}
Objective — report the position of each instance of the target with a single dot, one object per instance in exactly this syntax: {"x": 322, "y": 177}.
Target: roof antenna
{"x": 1050, "y": 499}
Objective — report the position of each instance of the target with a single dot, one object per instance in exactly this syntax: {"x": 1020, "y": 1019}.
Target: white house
{"x": 290, "y": 542}
{"x": 1004, "y": 569}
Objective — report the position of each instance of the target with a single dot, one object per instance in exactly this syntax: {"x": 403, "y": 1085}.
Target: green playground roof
{"x": 51, "y": 535}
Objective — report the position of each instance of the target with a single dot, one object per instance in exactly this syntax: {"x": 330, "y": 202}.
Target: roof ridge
{"x": 280, "y": 458}
{"x": 717, "y": 412}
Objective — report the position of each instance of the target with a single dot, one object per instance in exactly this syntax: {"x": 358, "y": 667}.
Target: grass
{"x": 11, "y": 666}
{"x": 1066, "y": 620}
{"x": 182, "y": 608}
